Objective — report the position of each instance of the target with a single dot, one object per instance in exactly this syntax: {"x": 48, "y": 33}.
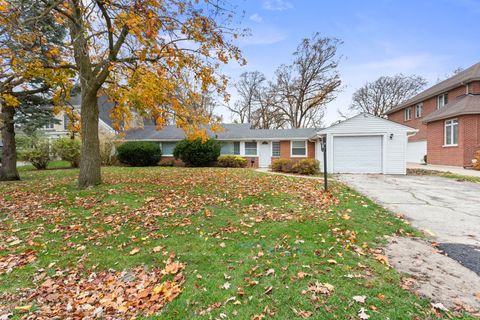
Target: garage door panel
{"x": 358, "y": 154}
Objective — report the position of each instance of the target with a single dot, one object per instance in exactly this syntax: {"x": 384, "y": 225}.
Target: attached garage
{"x": 366, "y": 144}
{"x": 368, "y": 158}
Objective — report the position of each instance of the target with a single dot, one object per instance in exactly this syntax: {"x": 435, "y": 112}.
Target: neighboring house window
{"x": 276, "y": 149}
{"x": 250, "y": 148}
{"x": 167, "y": 148}
{"x": 299, "y": 148}
{"x": 419, "y": 110}
{"x": 442, "y": 100}
{"x": 49, "y": 125}
{"x": 65, "y": 122}
{"x": 451, "y": 132}
{"x": 407, "y": 114}
{"x": 236, "y": 147}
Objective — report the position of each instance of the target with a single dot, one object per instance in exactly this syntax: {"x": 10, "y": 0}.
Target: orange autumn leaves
{"x": 109, "y": 294}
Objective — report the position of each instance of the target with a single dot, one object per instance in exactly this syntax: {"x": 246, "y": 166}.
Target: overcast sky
{"x": 430, "y": 38}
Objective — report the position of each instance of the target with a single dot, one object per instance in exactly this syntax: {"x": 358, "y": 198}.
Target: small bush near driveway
{"x": 304, "y": 166}
{"x": 307, "y": 166}
{"x": 139, "y": 153}
{"x": 232, "y": 161}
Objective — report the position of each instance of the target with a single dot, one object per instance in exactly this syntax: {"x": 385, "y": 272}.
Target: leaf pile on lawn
{"x": 106, "y": 294}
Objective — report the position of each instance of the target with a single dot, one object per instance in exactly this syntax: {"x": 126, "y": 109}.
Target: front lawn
{"x": 199, "y": 243}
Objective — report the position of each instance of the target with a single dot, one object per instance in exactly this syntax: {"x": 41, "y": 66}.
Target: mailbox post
{"x": 323, "y": 143}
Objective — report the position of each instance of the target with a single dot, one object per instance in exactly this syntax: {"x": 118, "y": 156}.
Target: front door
{"x": 264, "y": 155}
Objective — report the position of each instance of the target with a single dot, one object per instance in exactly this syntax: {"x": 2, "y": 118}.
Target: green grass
{"x": 227, "y": 225}
{"x": 449, "y": 175}
{"x": 56, "y": 164}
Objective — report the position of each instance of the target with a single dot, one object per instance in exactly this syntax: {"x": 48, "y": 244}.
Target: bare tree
{"x": 248, "y": 88}
{"x": 267, "y": 115}
{"x": 385, "y": 93}
{"x": 309, "y": 83}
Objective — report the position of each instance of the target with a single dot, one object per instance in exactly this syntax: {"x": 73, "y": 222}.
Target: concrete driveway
{"x": 445, "y": 208}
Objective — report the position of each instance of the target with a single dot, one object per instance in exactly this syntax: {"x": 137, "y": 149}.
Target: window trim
{"x": 161, "y": 148}
{"x": 444, "y": 98}
{"x": 245, "y": 149}
{"x": 450, "y": 123}
{"x": 239, "y": 148}
{"x": 271, "y": 151}
{"x": 407, "y": 111}
{"x": 296, "y": 155}
{"x": 419, "y": 106}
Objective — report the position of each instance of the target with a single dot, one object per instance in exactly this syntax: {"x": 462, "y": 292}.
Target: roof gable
{"x": 366, "y": 123}
{"x": 463, "y": 77}
{"x": 466, "y": 104}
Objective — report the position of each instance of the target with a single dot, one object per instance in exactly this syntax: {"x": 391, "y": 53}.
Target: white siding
{"x": 416, "y": 151}
{"x": 394, "y": 140}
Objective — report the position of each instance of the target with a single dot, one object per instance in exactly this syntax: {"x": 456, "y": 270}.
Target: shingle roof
{"x": 231, "y": 132}
{"x": 466, "y": 104}
{"x": 463, "y": 77}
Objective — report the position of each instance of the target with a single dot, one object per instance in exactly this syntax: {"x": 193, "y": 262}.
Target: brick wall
{"x": 468, "y": 142}
{"x": 429, "y": 106}
{"x": 471, "y": 133}
{"x": 285, "y": 151}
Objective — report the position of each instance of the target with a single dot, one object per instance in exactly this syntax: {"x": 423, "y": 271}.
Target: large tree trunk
{"x": 8, "y": 171}
{"x": 90, "y": 158}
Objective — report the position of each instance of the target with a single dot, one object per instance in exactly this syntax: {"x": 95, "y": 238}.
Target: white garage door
{"x": 357, "y": 154}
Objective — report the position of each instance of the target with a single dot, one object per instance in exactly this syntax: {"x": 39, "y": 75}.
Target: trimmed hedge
{"x": 305, "y": 166}
{"x": 139, "y": 153}
{"x": 196, "y": 153}
{"x": 282, "y": 165}
{"x": 232, "y": 161}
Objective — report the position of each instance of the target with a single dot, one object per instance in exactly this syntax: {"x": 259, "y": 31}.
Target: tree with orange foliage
{"x": 139, "y": 53}
{"x": 29, "y": 66}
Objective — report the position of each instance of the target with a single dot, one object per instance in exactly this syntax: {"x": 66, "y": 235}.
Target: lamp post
{"x": 323, "y": 144}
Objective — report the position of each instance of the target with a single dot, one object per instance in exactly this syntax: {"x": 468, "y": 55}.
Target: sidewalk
{"x": 456, "y": 170}
{"x": 266, "y": 170}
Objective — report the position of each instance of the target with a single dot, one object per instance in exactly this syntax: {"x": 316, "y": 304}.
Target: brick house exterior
{"x": 259, "y": 146}
{"x": 447, "y": 116}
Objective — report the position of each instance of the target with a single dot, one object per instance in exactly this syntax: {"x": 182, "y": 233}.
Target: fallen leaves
{"x": 134, "y": 251}
{"x": 12, "y": 261}
{"x": 362, "y": 314}
{"x": 109, "y": 294}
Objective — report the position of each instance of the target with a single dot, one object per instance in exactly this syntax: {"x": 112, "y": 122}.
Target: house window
{"x": 236, "y": 147}
{"x": 442, "y": 100}
{"x": 419, "y": 110}
{"x": 275, "y": 149}
{"x": 299, "y": 148}
{"x": 49, "y": 125}
{"x": 250, "y": 148}
{"x": 451, "y": 132}
{"x": 227, "y": 148}
{"x": 407, "y": 114}
{"x": 65, "y": 122}
{"x": 167, "y": 148}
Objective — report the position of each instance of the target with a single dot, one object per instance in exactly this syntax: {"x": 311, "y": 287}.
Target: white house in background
{"x": 54, "y": 130}
{"x": 367, "y": 144}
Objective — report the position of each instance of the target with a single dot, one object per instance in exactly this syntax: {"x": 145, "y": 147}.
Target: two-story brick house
{"x": 447, "y": 116}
